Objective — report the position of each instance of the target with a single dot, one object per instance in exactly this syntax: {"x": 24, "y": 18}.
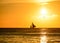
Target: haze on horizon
{"x": 21, "y": 13}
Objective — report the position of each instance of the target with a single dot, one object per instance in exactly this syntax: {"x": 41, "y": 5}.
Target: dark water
{"x": 30, "y": 35}
{"x": 27, "y": 39}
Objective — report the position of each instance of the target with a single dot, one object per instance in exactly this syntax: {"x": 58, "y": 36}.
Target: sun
{"x": 45, "y": 15}
{"x": 43, "y": 11}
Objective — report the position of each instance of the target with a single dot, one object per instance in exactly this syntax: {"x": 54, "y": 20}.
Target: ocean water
{"x": 28, "y": 39}
{"x": 37, "y": 35}
{"x": 19, "y": 39}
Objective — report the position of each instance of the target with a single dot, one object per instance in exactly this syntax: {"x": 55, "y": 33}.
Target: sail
{"x": 32, "y": 26}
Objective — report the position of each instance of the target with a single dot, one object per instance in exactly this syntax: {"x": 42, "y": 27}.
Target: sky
{"x": 18, "y": 1}
{"x": 21, "y": 13}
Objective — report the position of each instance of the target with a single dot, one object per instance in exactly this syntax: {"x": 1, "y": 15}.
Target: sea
{"x": 30, "y": 35}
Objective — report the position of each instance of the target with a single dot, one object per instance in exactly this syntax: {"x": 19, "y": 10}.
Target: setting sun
{"x": 44, "y": 15}
{"x": 43, "y": 11}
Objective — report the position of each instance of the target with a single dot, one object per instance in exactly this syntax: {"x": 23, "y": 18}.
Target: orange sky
{"x": 23, "y": 14}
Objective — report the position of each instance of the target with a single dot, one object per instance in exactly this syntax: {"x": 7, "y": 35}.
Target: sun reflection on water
{"x": 43, "y": 39}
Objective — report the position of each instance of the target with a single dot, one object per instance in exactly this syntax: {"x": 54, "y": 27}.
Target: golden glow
{"x": 43, "y": 1}
{"x": 23, "y": 14}
{"x": 43, "y": 11}
{"x": 44, "y": 17}
{"x": 43, "y": 39}
{"x": 47, "y": 17}
{"x": 44, "y": 14}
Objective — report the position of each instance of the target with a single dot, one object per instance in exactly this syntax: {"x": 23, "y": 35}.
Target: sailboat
{"x": 32, "y": 26}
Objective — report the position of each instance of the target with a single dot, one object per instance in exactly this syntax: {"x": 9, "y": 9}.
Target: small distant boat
{"x": 32, "y": 26}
